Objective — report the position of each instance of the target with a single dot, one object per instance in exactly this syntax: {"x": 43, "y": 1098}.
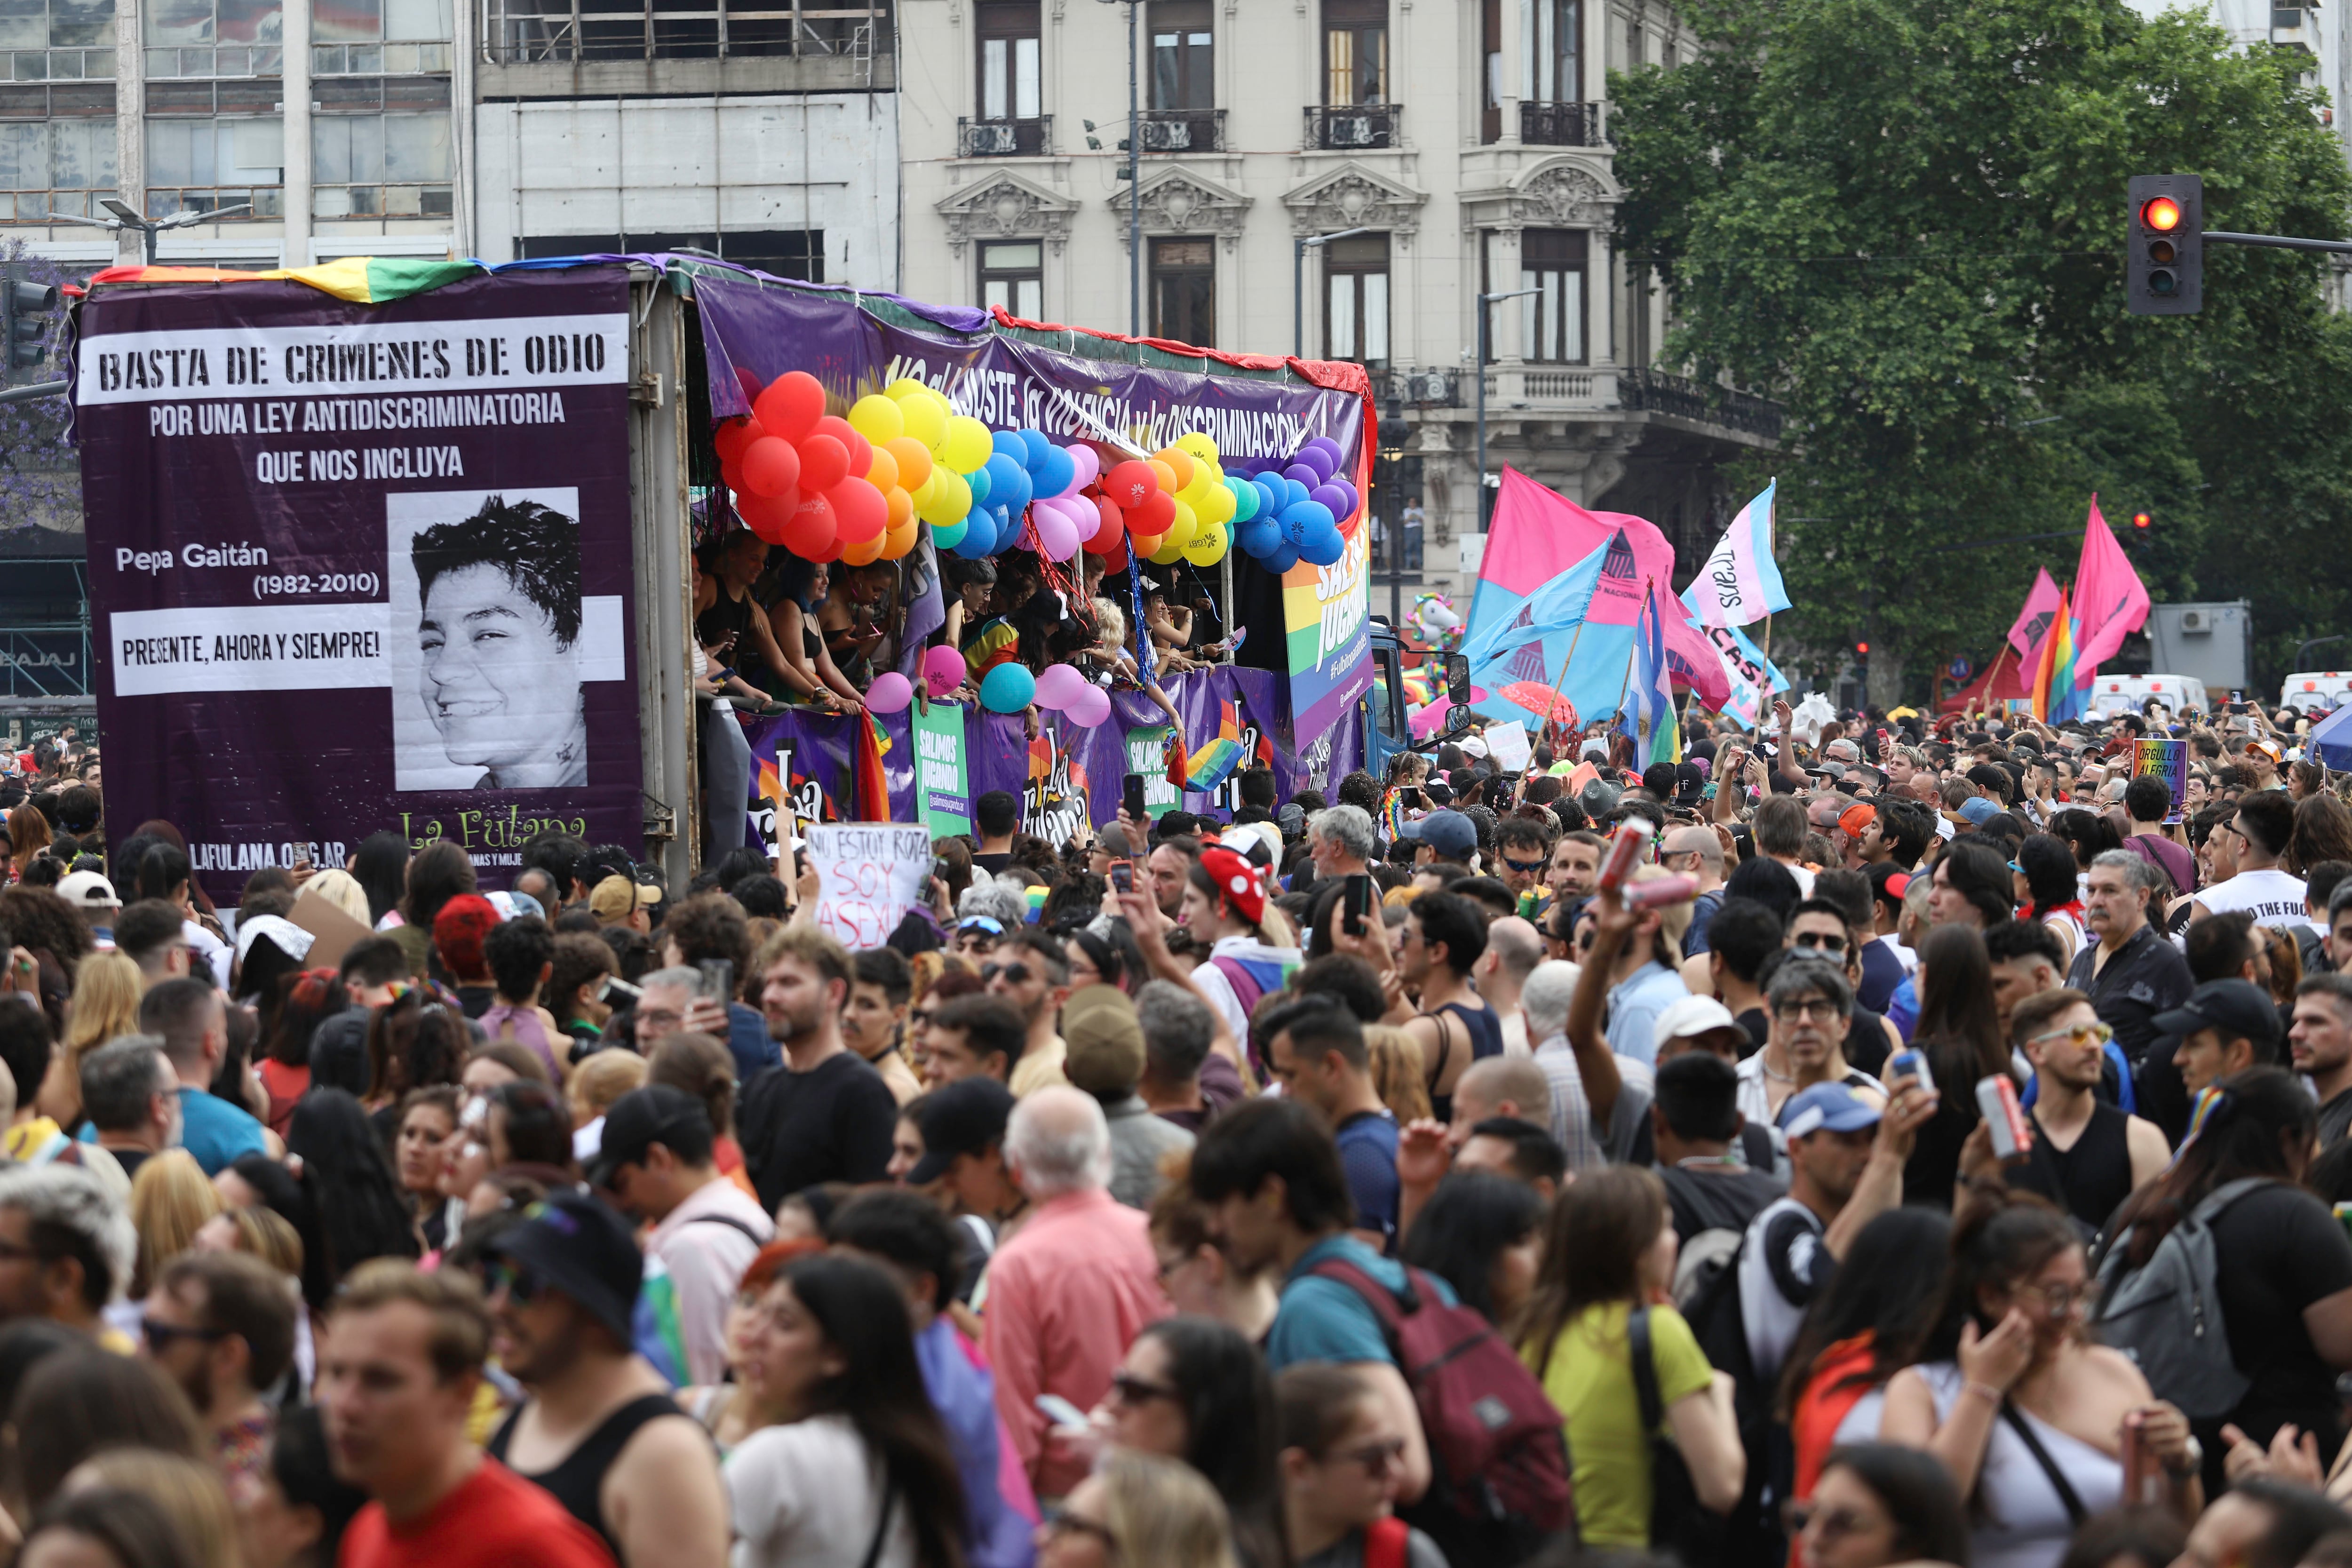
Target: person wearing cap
{"x": 396, "y": 1386}
{"x": 1107, "y": 1060}
{"x": 824, "y": 1115}
{"x": 93, "y": 895}
{"x": 963, "y": 1156}
{"x": 621, "y": 901}
{"x": 2129, "y": 971}
{"x": 1846, "y": 1154}
{"x": 656, "y": 1162}
{"x": 1068, "y": 1294}
{"x": 599, "y": 1431}
{"x": 1225, "y": 903}
{"x": 2225, "y": 1027}
{"x": 1443, "y": 835}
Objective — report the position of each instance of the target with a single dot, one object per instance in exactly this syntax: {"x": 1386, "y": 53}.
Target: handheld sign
{"x": 2168, "y": 759}
{"x": 869, "y": 874}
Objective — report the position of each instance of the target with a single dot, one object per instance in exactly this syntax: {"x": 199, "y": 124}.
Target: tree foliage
{"x": 1905, "y": 219}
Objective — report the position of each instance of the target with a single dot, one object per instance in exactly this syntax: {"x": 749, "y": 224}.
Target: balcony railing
{"x": 1184, "y": 131}
{"x": 1420, "y": 388}
{"x": 1562, "y": 125}
{"x": 266, "y": 201}
{"x": 1005, "y": 138}
{"x": 566, "y": 32}
{"x": 1350, "y": 128}
{"x": 1699, "y": 401}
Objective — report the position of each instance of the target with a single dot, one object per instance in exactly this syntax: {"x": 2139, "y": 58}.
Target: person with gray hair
{"x": 1807, "y": 1004}
{"x": 1177, "y": 1030}
{"x": 664, "y": 997}
{"x": 1340, "y": 842}
{"x": 70, "y": 1243}
{"x": 131, "y": 1096}
{"x": 2129, "y": 971}
{"x": 996, "y": 900}
{"x": 1075, "y": 1285}
{"x": 1593, "y": 1137}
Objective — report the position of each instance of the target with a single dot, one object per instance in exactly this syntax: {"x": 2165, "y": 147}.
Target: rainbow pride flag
{"x": 1215, "y": 760}
{"x": 363, "y": 279}
{"x": 2056, "y": 699}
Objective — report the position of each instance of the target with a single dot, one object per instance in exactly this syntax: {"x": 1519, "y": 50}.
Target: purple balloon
{"x": 1332, "y": 496}
{"x": 1315, "y": 458}
{"x": 1324, "y": 444}
{"x": 1346, "y": 491}
{"x": 1304, "y": 475}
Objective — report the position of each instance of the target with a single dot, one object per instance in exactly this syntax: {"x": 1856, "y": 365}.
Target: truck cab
{"x": 1388, "y": 728}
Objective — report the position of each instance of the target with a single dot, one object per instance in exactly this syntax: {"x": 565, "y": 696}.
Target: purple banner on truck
{"x": 361, "y": 567}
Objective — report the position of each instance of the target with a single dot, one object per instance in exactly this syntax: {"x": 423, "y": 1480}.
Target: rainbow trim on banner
{"x": 1215, "y": 762}
{"x": 361, "y": 279}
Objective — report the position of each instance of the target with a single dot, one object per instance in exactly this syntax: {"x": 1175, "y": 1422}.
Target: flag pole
{"x": 1626, "y": 686}
{"x": 1551, "y": 711}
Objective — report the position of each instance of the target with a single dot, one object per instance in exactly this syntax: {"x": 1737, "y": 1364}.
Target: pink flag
{"x": 2109, "y": 602}
{"x": 2033, "y": 621}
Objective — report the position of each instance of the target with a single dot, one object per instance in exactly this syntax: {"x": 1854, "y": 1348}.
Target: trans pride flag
{"x": 1740, "y": 583}
{"x": 1648, "y": 716}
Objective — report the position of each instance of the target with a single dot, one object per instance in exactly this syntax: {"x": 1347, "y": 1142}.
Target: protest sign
{"x": 942, "y": 780}
{"x": 869, "y": 874}
{"x": 1507, "y": 746}
{"x": 2168, "y": 759}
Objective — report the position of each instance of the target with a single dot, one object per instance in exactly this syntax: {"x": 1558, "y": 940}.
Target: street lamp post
{"x": 1479, "y": 370}
{"x": 1299, "y": 284}
{"x": 126, "y": 216}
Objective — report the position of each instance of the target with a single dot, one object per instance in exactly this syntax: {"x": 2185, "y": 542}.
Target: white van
{"x": 2114, "y": 694}
{"x": 2317, "y": 689}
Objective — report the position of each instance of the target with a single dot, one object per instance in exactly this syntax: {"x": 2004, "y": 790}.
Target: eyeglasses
{"x": 1133, "y": 1391}
{"x": 1811, "y": 1007}
{"x": 1060, "y": 1522}
{"x": 1822, "y": 941}
{"x": 2062, "y": 1301}
{"x": 2081, "y": 1034}
{"x": 1377, "y": 1459}
{"x": 521, "y": 1286}
{"x": 161, "y": 1337}
{"x": 1833, "y": 1521}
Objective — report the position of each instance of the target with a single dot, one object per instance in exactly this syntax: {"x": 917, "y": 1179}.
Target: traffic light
{"x": 24, "y": 307}
{"x": 2141, "y": 521}
{"x": 2164, "y": 263}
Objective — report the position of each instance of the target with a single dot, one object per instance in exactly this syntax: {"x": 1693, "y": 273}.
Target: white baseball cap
{"x": 87, "y": 890}
{"x": 1690, "y": 1018}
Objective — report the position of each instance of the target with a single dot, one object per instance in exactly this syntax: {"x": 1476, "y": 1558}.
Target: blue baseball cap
{"x": 1826, "y": 1107}
{"x": 1449, "y": 833}
{"x": 1978, "y": 810}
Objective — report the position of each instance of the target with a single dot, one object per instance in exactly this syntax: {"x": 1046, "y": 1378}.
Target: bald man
{"x": 1514, "y": 948}
{"x": 1499, "y": 1086}
{"x": 1696, "y": 852}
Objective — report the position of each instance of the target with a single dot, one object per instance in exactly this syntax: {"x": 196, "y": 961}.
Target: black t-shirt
{"x": 130, "y": 1159}
{"x": 1866, "y": 1049}
{"x": 2336, "y": 1119}
{"x": 1724, "y": 1197}
{"x": 830, "y": 1124}
{"x": 993, "y": 864}
{"x": 2276, "y": 1251}
{"x": 477, "y": 999}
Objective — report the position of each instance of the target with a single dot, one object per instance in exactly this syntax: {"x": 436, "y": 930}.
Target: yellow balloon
{"x": 1207, "y": 548}
{"x": 966, "y": 446}
{"x": 950, "y": 500}
{"x": 922, "y": 494}
{"x": 1185, "y": 528}
{"x": 1199, "y": 445}
{"x": 1167, "y": 554}
{"x": 905, "y": 387}
{"x": 924, "y": 419}
{"x": 1216, "y": 505}
{"x": 885, "y": 470}
{"x": 877, "y": 418}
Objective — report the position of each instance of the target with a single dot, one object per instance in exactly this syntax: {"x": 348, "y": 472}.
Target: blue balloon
{"x": 1037, "y": 447}
{"x": 1296, "y": 492}
{"x": 978, "y": 480}
{"x": 1008, "y": 483}
{"x": 1324, "y": 548}
{"x": 1304, "y": 520}
{"x": 1010, "y": 444}
{"x": 1272, "y": 495}
{"x": 1007, "y": 688}
{"x": 1282, "y": 560}
{"x": 1246, "y": 499}
{"x": 1304, "y": 475}
{"x": 1008, "y": 527}
{"x": 1261, "y": 536}
{"x": 1054, "y": 473}
{"x": 978, "y": 539}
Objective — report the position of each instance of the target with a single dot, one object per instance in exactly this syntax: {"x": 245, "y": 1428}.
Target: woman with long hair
{"x": 1876, "y": 1505}
{"x": 2281, "y": 1263}
{"x": 2046, "y": 890}
{"x": 305, "y": 1001}
{"x": 2323, "y": 831}
{"x": 380, "y": 866}
{"x": 1137, "y": 1509}
{"x": 1959, "y": 1030}
{"x": 350, "y": 1184}
{"x": 77, "y": 1403}
{"x": 412, "y": 1042}
{"x": 1193, "y": 1389}
{"x": 440, "y": 872}
{"x": 105, "y": 1002}
{"x": 1859, "y": 1333}
{"x": 171, "y": 1199}
{"x": 862, "y": 1457}
{"x": 1341, "y": 1464}
{"x": 1610, "y": 1249}
{"x": 190, "y": 1490}
{"x": 53, "y": 933}
{"x": 2089, "y": 835}
{"x": 732, "y": 1410}
{"x": 28, "y": 830}
{"x": 1482, "y": 1234}
{"x": 2012, "y": 1395}
{"x": 105, "y": 1527}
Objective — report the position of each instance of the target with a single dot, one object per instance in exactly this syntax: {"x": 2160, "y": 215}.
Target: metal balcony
{"x": 1562, "y": 125}
{"x": 1701, "y": 402}
{"x": 1352, "y": 128}
{"x": 1184, "y": 131}
{"x": 1005, "y": 138}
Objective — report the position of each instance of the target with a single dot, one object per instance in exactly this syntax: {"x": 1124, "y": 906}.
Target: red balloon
{"x": 770, "y": 467}
{"x": 769, "y": 516}
{"x": 811, "y": 531}
{"x": 1115, "y": 558}
{"x": 824, "y": 463}
{"x": 1153, "y": 517}
{"x": 861, "y": 450}
{"x": 730, "y": 473}
{"x": 792, "y": 406}
{"x": 858, "y": 511}
{"x": 732, "y": 436}
{"x": 832, "y": 551}
{"x": 1110, "y": 527}
{"x": 1130, "y": 482}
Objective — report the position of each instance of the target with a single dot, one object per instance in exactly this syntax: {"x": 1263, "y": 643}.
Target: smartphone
{"x": 1122, "y": 875}
{"x": 1131, "y": 796}
{"x": 1911, "y": 1065}
{"x": 939, "y": 869}
{"x": 615, "y": 990}
{"x": 1060, "y": 1411}
{"x": 718, "y": 979}
{"x": 1355, "y": 896}
{"x": 2237, "y": 697}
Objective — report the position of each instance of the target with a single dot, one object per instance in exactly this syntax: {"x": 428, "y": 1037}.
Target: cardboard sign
{"x": 336, "y": 932}
{"x": 1507, "y": 746}
{"x": 2168, "y": 759}
{"x": 869, "y": 874}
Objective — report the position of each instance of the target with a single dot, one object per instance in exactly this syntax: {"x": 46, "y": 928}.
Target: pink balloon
{"x": 1056, "y": 534}
{"x": 944, "y": 667}
{"x": 1059, "y": 686}
{"x": 1090, "y": 709}
{"x": 890, "y": 692}
{"x": 1089, "y": 465}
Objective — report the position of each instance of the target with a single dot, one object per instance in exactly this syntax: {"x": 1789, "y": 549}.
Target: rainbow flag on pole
{"x": 1215, "y": 762}
{"x": 2056, "y": 699}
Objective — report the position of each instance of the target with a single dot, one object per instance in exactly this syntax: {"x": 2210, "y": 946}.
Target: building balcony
{"x": 1354, "y": 128}
{"x": 1701, "y": 402}
{"x": 575, "y": 32}
{"x": 1549, "y": 386}
{"x": 1184, "y": 131}
{"x": 2296, "y": 28}
{"x": 1005, "y": 138}
{"x": 1562, "y": 125}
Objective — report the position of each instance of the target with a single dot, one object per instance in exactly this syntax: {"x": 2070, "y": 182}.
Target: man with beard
{"x": 599, "y": 1431}
{"x": 1032, "y": 974}
{"x": 2087, "y": 1156}
{"x": 824, "y": 1115}
{"x": 222, "y": 1325}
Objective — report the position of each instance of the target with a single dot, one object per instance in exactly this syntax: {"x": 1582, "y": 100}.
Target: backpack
{"x": 1681, "y": 1527}
{"x": 1500, "y": 1485}
{"x": 2166, "y": 1314}
{"x": 1707, "y": 1293}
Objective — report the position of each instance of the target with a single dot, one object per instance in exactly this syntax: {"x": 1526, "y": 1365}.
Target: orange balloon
{"x": 883, "y": 475}
{"x": 1147, "y": 545}
{"x": 913, "y": 458}
{"x": 901, "y": 505}
{"x": 863, "y": 552}
{"x": 897, "y": 541}
{"x": 1180, "y": 461}
{"x": 1166, "y": 473}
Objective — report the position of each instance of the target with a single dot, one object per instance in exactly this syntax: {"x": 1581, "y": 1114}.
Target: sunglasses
{"x": 1376, "y": 1458}
{"x": 1818, "y": 942}
{"x": 1134, "y": 1391}
{"x": 521, "y": 1286}
{"x": 2081, "y": 1034}
{"x": 1014, "y": 974}
{"x": 161, "y": 1337}
{"x": 1529, "y": 868}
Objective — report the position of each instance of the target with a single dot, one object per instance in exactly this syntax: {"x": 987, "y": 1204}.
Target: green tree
{"x": 1905, "y": 219}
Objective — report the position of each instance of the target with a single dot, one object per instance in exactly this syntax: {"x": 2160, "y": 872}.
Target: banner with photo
{"x": 361, "y": 567}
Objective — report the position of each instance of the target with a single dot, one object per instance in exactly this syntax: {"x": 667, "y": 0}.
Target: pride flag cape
{"x": 1215, "y": 762}
{"x": 2056, "y": 697}
{"x": 1537, "y": 538}
{"x": 1740, "y": 583}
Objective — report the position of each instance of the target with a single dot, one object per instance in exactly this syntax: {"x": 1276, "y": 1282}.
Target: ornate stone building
{"x": 1426, "y": 152}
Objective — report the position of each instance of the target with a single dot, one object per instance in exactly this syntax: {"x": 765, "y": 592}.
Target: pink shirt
{"x": 1066, "y": 1298}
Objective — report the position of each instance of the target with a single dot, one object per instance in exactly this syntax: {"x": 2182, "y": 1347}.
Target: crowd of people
{"x": 1953, "y": 1168}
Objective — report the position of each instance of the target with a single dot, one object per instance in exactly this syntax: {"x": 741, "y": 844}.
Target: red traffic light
{"x": 2161, "y": 214}
{"x": 2141, "y": 520}
{"x": 1863, "y": 648}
